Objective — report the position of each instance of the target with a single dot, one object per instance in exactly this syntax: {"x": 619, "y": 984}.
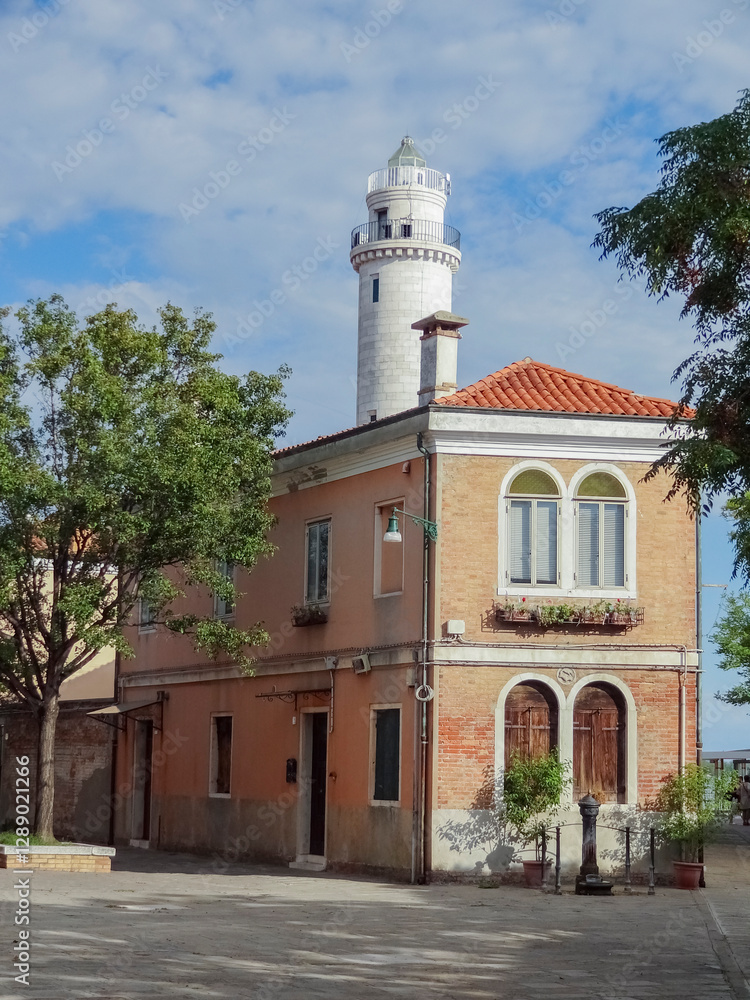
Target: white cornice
{"x": 519, "y": 433}
{"x": 461, "y": 431}
{"x": 640, "y": 657}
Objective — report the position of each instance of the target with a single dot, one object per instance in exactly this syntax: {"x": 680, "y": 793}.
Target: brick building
{"x": 404, "y": 663}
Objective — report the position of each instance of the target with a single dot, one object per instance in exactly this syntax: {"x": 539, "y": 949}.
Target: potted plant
{"x": 532, "y": 787}
{"x": 693, "y": 803}
{"x": 621, "y": 613}
{"x": 556, "y": 614}
{"x": 308, "y": 614}
{"x": 514, "y": 612}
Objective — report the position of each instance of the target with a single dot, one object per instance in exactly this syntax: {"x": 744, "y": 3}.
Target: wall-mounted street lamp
{"x": 393, "y": 533}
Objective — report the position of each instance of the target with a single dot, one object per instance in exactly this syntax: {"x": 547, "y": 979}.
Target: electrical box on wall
{"x": 361, "y": 664}
{"x": 455, "y": 626}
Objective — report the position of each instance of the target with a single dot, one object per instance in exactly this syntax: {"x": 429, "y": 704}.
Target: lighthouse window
{"x": 376, "y": 289}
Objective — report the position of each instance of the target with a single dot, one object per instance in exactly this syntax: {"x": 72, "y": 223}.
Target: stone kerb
{"x": 60, "y": 857}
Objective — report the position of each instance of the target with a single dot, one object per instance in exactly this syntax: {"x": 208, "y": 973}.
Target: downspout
{"x": 418, "y": 875}
{"x": 683, "y": 719}
{"x": 699, "y": 639}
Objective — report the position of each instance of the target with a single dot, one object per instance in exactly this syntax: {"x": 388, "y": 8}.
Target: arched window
{"x": 602, "y": 512}
{"x": 599, "y": 743}
{"x": 530, "y": 720}
{"x": 533, "y": 508}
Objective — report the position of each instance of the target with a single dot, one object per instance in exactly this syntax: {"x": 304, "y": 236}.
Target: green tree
{"x": 129, "y": 464}
{"x": 731, "y": 636}
{"x": 691, "y": 237}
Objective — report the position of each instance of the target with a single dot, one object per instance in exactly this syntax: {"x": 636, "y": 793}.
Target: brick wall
{"x": 83, "y": 762}
{"x": 469, "y": 570}
{"x": 466, "y": 733}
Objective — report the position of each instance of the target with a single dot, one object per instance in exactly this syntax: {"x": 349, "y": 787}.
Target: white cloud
{"x": 229, "y": 71}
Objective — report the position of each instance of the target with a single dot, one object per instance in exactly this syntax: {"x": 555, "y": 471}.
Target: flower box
{"x": 309, "y": 614}
{"x": 513, "y": 614}
{"x": 556, "y": 615}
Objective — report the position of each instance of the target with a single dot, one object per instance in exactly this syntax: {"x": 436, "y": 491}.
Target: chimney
{"x": 439, "y": 361}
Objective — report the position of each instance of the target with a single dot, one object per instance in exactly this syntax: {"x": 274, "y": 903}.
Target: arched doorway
{"x": 530, "y": 720}
{"x": 599, "y": 743}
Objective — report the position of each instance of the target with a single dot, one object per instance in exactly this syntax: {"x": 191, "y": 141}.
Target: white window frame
{"x": 213, "y": 756}
{"x": 534, "y": 500}
{"x": 385, "y": 505}
{"x": 326, "y": 519}
{"x": 374, "y": 709}
{"x": 567, "y": 536}
{"x": 504, "y": 500}
{"x": 229, "y": 571}
{"x": 146, "y": 624}
{"x": 629, "y": 589}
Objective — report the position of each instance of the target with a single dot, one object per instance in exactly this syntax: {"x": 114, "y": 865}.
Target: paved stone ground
{"x": 173, "y": 926}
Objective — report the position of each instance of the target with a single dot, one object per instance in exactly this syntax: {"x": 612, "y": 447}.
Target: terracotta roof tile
{"x": 531, "y": 385}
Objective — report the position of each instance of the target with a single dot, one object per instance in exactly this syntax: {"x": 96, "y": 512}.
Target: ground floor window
{"x": 221, "y": 754}
{"x": 386, "y": 754}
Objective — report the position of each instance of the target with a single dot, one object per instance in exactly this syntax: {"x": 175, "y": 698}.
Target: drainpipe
{"x": 699, "y": 638}
{"x": 418, "y": 873}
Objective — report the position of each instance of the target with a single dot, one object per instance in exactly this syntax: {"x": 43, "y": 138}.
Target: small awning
{"x": 727, "y": 755}
{"x": 111, "y": 713}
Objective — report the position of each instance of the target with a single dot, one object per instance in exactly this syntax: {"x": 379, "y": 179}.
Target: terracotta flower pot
{"x": 532, "y": 871}
{"x": 687, "y": 874}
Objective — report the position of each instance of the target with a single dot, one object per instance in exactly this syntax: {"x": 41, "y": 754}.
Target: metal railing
{"x": 398, "y": 176}
{"x": 416, "y": 230}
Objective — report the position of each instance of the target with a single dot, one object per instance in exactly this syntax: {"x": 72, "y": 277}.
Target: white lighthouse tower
{"x": 406, "y": 258}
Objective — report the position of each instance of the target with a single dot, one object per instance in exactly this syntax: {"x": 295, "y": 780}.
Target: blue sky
{"x": 122, "y": 118}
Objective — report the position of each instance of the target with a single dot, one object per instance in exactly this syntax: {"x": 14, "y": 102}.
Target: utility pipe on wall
{"x": 418, "y": 852}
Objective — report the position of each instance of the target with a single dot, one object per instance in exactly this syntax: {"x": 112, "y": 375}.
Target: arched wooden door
{"x": 599, "y": 744}
{"x": 530, "y": 721}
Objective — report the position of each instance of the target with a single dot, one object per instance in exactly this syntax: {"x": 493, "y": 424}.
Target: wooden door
{"x": 598, "y": 757}
{"x": 530, "y": 723}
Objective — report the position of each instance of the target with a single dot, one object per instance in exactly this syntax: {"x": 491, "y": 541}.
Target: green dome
{"x": 407, "y": 155}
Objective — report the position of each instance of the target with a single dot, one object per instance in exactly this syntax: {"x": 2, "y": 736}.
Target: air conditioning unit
{"x": 361, "y": 664}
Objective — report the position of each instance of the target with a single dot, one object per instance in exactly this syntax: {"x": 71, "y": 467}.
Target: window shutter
{"x": 613, "y": 545}
{"x": 312, "y": 561}
{"x": 588, "y": 545}
{"x": 520, "y": 541}
{"x": 546, "y": 541}
{"x": 323, "y": 561}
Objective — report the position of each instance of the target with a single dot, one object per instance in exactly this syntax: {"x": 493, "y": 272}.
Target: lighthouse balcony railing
{"x": 398, "y": 176}
{"x": 408, "y": 230}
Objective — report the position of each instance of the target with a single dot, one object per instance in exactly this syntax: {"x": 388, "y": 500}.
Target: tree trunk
{"x": 45, "y": 768}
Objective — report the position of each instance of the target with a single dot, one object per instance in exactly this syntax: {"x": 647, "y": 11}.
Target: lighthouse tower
{"x": 406, "y": 258}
